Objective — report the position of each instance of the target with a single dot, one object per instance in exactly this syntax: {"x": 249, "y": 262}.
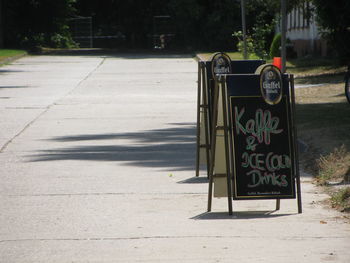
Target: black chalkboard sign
{"x": 262, "y": 148}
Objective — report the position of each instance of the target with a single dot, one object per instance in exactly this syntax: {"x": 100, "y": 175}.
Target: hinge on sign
{"x": 221, "y": 128}
{"x": 220, "y": 175}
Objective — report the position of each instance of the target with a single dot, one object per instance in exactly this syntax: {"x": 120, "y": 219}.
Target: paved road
{"x": 97, "y": 164}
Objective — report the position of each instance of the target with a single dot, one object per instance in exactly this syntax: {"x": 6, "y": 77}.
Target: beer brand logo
{"x": 221, "y": 64}
{"x": 271, "y": 84}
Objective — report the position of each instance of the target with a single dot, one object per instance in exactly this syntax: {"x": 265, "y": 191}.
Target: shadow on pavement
{"x": 182, "y": 133}
{"x": 172, "y": 149}
{"x": 238, "y": 215}
{"x": 14, "y": 87}
{"x": 6, "y": 71}
{"x": 322, "y": 79}
{"x": 195, "y": 180}
{"x": 114, "y": 53}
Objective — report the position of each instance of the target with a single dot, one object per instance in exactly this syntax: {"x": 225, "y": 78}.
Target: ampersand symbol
{"x": 251, "y": 145}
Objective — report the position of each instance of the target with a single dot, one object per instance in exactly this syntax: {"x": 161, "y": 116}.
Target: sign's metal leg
{"x": 213, "y": 145}
{"x": 278, "y": 204}
{"x": 198, "y": 118}
{"x": 206, "y": 121}
{"x": 296, "y": 150}
{"x": 227, "y": 146}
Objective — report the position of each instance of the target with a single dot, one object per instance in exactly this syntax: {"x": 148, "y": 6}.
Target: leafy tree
{"x": 334, "y": 18}
{"x": 132, "y": 18}
{"x": 36, "y": 22}
{"x": 261, "y": 22}
{"x": 198, "y": 24}
{"x": 275, "y": 46}
{"x": 188, "y": 16}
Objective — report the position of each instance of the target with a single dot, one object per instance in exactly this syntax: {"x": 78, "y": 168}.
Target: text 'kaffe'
{"x": 262, "y": 149}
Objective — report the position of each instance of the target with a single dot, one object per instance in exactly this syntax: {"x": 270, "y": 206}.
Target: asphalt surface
{"x": 97, "y": 165}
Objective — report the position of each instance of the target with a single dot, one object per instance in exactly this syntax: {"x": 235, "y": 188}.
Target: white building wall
{"x": 303, "y": 32}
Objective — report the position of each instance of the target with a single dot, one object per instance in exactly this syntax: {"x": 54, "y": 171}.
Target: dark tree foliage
{"x": 334, "y": 18}
{"x": 196, "y": 24}
{"x": 132, "y": 18}
{"x": 261, "y": 22}
{"x": 219, "y": 20}
{"x": 36, "y": 22}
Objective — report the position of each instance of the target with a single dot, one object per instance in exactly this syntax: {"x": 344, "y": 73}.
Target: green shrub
{"x": 334, "y": 167}
{"x": 261, "y": 38}
{"x": 62, "y": 41}
{"x": 275, "y": 46}
{"x": 341, "y": 199}
{"x": 257, "y": 40}
{"x": 32, "y": 41}
{"x": 240, "y": 43}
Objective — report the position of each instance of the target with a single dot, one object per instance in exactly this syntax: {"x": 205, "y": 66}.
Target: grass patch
{"x": 239, "y": 55}
{"x": 232, "y": 55}
{"x": 314, "y": 66}
{"x": 334, "y": 78}
{"x": 323, "y": 122}
{"x": 6, "y": 54}
{"x": 312, "y": 61}
{"x": 309, "y": 70}
{"x": 334, "y": 168}
{"x": 341, "y": 200}
{"x": 334, "y": 172}
{"x": 323, "y": 117}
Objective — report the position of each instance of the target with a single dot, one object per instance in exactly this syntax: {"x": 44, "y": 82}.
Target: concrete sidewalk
{"x": 97, "y": 165}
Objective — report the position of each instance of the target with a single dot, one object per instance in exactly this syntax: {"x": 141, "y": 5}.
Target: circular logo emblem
{"x": 220, "y": 64}
{"x": 271, "y": 84}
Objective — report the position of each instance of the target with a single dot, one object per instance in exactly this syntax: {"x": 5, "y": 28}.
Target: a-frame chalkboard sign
{"x": 219, "y": 63}
{"x": 254, "y": 115}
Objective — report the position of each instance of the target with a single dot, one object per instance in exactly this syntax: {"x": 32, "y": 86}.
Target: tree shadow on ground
{"x": 328, "y": 120}
{"x": 323, "y": 127}
{"x": 173, "y": 149}
{"x": 14, "y": 87}
{"x": 114, "y": 53}
{"x": 323, "y": 79}
{"x": 195, "y": 180}
{"x": 7, "y": 71}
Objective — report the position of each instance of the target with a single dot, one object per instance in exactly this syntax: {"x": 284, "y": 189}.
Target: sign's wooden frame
{"x": 202, "y": 109}
{"x": 221, "y": 90}
{"x": 206, "y": 85}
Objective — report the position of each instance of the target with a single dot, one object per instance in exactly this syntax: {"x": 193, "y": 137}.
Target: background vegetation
{"x": 323, "y": 121}
{"x": 196, "y": 24}
{"x": 334, "y": 18}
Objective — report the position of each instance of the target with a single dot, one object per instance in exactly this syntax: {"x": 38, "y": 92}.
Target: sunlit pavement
{"x": 97, "y": 165}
